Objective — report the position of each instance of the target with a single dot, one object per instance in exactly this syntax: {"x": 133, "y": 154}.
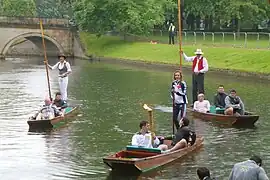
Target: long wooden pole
{"x": 45, "y": 58}
{"x": 180, "y": 32}
{"x": 173, "y": 112}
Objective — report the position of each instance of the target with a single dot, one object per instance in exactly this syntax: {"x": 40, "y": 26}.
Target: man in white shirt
{"x": 48, "y": 111}
{"x": 144, "y": 138}
{"x": 64, "y": 70}
{"x": 199, "y": 68}
{"x": 201, "y": 105}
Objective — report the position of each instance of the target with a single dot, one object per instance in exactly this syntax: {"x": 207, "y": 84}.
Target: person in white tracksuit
{"x": 64, "y": 70}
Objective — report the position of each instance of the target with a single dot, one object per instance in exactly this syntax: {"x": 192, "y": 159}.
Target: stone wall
{"x": 61, "y": 38}
{"x": 51, "y": 22}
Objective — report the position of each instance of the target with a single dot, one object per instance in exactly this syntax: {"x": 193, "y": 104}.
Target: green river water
{"x": 110, "y": 97}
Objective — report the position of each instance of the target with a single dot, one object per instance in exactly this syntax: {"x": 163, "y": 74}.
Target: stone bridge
{"x": 59, "y": 38}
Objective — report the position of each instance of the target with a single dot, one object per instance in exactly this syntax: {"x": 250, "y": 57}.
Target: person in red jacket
{"x": 199, "y": 68}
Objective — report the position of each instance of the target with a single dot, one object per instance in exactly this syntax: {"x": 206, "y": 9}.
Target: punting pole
{"x": 45, "y": 58}
{"x": 180, "y": 33}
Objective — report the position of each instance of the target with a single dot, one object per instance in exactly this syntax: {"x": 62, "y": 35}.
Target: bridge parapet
{"x": 30, "y": 21}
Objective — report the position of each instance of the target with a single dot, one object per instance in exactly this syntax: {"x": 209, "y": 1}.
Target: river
{"x": 110, "y": 97}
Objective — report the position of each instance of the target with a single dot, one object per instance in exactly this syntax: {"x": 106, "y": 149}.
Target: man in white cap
{"x": 199, "y": 68}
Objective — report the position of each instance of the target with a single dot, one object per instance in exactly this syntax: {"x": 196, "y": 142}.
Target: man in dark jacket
{"x": 219, "y": 98}
{"x": 234, "y": 104}
{"x": 58, "y": 102}
{"x": 182, "y": 137}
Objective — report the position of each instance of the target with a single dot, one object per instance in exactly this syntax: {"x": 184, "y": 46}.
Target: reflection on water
{"x": 111, "y": 99}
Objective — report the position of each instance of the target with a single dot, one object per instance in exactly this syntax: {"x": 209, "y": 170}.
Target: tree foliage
{"x": 253, "y": 11}
{"x": 140, "y": 16}
{"x": 126, "y": 16}
{"x": 18, "y": 7}
{"x": 53, "y": 8}
{"x": 137, "y": 16}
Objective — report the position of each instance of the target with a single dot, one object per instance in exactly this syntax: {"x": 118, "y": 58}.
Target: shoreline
{"x": 172, "y": 67}
{"x": 232, "y": 61}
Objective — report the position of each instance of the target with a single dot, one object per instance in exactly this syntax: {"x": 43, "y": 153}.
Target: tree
{"x": 18, "y": 7}
{"x": 253, "y": 11}
{"x": 53, "y": 8}
{"x": 223, "y": 11}
{"x": 126, "y": 16}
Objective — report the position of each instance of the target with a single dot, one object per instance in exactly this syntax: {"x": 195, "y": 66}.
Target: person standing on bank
{"x": 171, "y": 33}
{"x": 64, "y": 70}
{"x": 199, "y": 68}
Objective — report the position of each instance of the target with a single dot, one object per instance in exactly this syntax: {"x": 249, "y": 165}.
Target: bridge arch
{"x": 29, "y": 35}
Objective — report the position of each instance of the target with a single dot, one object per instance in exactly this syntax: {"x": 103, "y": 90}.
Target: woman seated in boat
{"x": 48, "y": 111}
{"x": 234, "y": 104}
{"x": 144, "y": 138}
{"x": 184, "y": 137}
{"x": 201, "y": 105}
{"x": 58, "y": 102}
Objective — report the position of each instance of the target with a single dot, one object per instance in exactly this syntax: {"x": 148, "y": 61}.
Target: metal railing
{"x": 258, "y": 40}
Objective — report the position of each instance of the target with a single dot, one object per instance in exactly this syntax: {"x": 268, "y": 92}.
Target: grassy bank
{"x": 222, "y": 58}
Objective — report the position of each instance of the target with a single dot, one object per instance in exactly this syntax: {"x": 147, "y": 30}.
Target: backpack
{"x": 192, "y": 137}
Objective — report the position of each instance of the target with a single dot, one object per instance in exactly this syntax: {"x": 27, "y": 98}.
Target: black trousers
{"x": 171, "y": 38}
{"x": 197, "y": 85}
{"x": 178, "y": 108}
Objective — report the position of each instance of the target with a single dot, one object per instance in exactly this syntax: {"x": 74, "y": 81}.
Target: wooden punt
{"x": 53, "y": 123}
{"x": 246, "y": 120}
{"x": 144, "y": 160}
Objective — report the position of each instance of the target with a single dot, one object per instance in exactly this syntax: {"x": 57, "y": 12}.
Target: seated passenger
{"x": 219, "y": 98}
{"x": 48, "y": 111}
{"x": 58, "y": 102}
{"x": 144, "y": 138}
{"x": 201, "y": 105}
{"x": 183, "y": 137}
{"x": 234, "y": 105}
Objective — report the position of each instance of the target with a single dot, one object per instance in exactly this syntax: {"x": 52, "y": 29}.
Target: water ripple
{"x": 110, "y": 101}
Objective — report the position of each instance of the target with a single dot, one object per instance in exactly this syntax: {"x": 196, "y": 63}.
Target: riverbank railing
{"x": 258, "y": 40}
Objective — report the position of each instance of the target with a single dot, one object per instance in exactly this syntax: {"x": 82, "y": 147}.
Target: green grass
{"x": 248, "y": 60}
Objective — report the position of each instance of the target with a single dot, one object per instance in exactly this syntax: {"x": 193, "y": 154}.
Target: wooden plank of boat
{"x": 52, "y": 123}
{"x": 132, "y": 161}
{"x": 247, "y": 120}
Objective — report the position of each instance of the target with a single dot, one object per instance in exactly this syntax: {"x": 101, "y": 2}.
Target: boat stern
{"x": 123, "y": 165}
{"x": 36, "y": 125}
